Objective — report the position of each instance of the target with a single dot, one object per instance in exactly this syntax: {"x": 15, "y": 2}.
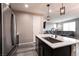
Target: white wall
{"x": 24, "y": 27}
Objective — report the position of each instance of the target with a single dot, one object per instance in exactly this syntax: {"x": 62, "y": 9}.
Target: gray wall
{"x": 24, "y": 27}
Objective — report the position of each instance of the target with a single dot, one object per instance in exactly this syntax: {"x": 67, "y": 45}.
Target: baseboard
{"x": 26, "y": 43}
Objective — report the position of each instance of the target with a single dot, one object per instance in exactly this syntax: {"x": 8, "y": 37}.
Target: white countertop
{"x": 65, "y": 40}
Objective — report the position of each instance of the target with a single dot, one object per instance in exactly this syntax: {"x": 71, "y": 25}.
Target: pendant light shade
{"x": 62, "y": 10}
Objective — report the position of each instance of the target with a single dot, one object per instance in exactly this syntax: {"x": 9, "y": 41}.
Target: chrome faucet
{"x": 55, "y": 33}
{"x": 55, "y": 30}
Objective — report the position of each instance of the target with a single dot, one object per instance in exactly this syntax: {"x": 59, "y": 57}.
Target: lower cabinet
{"x": 44, "y": 50}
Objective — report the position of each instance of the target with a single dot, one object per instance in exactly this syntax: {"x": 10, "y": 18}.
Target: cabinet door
{"x": 40, "y": 49}
{"x": 47, "y": 51}
{"x": 37, "y": 45}
{"x": 44, "y": 50}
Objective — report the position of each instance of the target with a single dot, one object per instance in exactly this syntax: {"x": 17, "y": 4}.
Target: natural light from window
{"x": 69, "y": 26}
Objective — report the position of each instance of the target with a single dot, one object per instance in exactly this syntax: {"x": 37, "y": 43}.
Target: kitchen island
{"x": 62, "y": 48}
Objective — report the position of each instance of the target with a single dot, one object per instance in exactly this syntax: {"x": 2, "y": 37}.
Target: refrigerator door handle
{"x": 12, "y": 29}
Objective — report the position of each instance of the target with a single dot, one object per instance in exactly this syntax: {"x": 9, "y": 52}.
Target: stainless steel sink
{"x": 52, "y": 40}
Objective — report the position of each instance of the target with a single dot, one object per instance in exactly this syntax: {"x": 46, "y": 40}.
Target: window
{"x": 70, "y": 26}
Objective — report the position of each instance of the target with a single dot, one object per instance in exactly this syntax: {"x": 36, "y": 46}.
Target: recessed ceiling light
{"x": 50, "y": 10}
{"x": 26, "y": 5}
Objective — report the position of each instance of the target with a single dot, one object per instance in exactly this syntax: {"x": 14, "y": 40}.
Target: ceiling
{"x": 72, "y": 9}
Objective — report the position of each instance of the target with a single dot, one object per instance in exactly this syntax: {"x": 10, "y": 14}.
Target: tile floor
{"x": 26, "y": 50}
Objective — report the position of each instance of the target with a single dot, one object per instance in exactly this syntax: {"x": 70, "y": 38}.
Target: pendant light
{"x": 62, "y": 10}
{"x": 48, "y": 17}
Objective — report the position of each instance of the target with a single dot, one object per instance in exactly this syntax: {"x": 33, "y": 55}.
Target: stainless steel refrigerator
{"x": 8, "y": 31}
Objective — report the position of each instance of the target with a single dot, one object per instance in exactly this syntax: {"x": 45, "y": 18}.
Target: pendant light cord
{"x": 62, "y": 4}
